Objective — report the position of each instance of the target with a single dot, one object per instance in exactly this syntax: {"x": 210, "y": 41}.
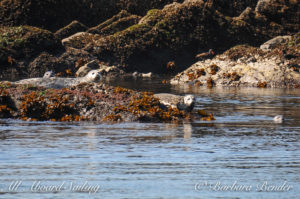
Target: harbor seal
{"x": 49, "y": 74}
{"x": 59, "y": 82}
{"x": 185, "y": 103}
{"x": 278, "y": 119}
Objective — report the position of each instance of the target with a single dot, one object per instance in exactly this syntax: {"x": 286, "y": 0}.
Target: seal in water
{"x": 278, "y": 119}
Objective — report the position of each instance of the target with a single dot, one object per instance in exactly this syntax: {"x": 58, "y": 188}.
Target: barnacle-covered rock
{"x": 72, "y": 28}
{"x": 249, "y": 66}
{"x": 84, "y": 102}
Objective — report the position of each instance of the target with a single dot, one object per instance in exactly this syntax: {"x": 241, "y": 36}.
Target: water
{"x": 242, "y": 154}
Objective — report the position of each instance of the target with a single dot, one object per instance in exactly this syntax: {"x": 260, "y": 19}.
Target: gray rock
{"x": 274, "y": 42}
{"x": 82, "y": 71}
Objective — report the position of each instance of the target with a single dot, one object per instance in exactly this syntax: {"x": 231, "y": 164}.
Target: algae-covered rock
{"x": 248, "y": 66}
{"x": 83, "y": 70}
{"x": 27, "y": 41}
{"x": 115, "y": 24}
{"x": 84, "y": 102}
{"x": 71, "y": 29}
{"x": 176, "y": 32}
{"x": 181, "y": 30}
{"x": 20, "y": 44}
{"x": 79, "y": 40}
{"x": 172, "y": 32}
{"x": 286, "y": 13}
{"x": 268, "y": 45}
{"x": 53, "y": 14}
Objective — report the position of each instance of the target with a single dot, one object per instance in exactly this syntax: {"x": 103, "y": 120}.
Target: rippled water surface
{"x": 243, "y": 154}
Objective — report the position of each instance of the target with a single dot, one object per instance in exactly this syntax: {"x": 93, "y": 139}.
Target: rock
{"x": 233, "y": 8}
{"x": 247, "y": 66}
{"x": 286, "y": 13}
{"x": 111, "y": 71}
{"x": 272, "y": 43}
{"x": 27, "y": 41}
{"x": 79, "y": 40}
{"x": 71, "y": 29}
{"x": 19, "y": 45}
{"x": 177, "y": 32}
{"x": 247, "y": 15}
{"x": 168, "y": 34}
{"x": 84, "y": 102}
{"x": 45, "y": 62}
{"x": 82, "y": 71}
{"x": 115, "y": 24}
{"x": 53, "y": 15}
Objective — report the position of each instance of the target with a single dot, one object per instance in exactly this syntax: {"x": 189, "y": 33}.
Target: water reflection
{"x": 162, "y": 160}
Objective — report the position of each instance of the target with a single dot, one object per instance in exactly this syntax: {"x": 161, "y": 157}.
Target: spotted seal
{"x": 278, "y": 119}
{"x": 49, "y": 74}
{"x": 59, "y": 82}
{"x": 185, "y": 103}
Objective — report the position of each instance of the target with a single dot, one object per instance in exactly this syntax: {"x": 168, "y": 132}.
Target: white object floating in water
{"x": 278, "y": 119}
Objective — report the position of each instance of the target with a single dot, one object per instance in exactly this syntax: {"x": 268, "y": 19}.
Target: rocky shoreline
{"x": 87, "y": 102}
{"x": 275, "y": 64}
{"x": 141, "y": 38}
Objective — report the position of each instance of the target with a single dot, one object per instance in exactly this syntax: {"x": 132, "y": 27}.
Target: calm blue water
{"x": 242, "y": 154}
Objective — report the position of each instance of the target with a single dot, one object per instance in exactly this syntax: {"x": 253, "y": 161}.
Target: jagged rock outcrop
{"x": 71, "y": 29}
{"x": 55, "y": 14}
{"x": 84, "y": 102}
{"x": 179, "y": 31}
{"x": 79, "y": 40}
{"x": 18, "y": 45}
{"x": 248, "y": 66}
{"x": 173, "y": 34}
{"x": 115, "y": 24}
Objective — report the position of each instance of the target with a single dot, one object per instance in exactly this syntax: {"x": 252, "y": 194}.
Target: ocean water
{"x": 242, "y": 154}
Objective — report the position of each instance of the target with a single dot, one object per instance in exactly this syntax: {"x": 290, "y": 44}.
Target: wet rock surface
{"x": 133, "y": 37}
{"x": 84, "y": 102}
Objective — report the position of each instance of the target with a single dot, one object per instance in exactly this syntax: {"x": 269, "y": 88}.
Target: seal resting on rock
{"x": 49, "y": 74}
{"x": 185, "y": 103}
{"x": 59, "y": 82}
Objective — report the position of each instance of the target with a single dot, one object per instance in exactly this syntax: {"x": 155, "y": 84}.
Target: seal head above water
{"x": 279, "y": 119}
